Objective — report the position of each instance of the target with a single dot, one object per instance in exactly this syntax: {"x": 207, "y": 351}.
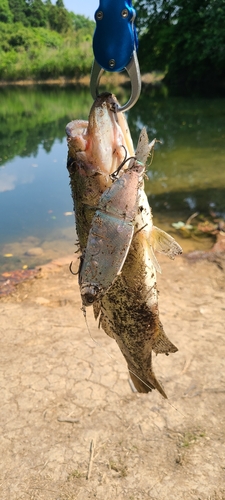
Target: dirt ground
{"x": 70, "y": 426}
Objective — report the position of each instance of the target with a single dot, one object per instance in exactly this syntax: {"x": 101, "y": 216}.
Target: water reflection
{"x": 34, "y": 185}
{"x": 187, "y": 173}
{"x": 35, "y": 192}
{"x": 33, "y": 116}
{"x": 188, "y": 168}
{"x": 10, "y": 177}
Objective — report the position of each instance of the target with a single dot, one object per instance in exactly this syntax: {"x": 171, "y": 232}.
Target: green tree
{"x": 186, "y": 39}
{"x": 79, "y": 22}
{"x": 18, "y": 10}
{"x": 59, "y": 18}
{"x": 5, "y": 12}
{"x": 36, "y": 12}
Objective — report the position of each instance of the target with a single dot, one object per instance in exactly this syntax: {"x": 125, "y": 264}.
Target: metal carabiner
{"x": 114, "y": 45}
{"x": 134, "y": 73}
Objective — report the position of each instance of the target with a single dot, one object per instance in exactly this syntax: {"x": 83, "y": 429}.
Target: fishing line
{"x": 153, "y": 389}
{"x": 83, "y": 309}
{"x": 114, "y": 359}
{"x": 138, "y": 231}
{"x": 172, "y": 406}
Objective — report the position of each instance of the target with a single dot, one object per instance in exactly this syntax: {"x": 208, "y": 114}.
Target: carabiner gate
{"x": 135, "y": 78}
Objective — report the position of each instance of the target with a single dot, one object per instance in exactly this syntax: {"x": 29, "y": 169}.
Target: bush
{"x": 39, "y": 53}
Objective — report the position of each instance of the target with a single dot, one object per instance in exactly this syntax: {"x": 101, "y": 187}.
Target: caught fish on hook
{"x": 124, "y": 286}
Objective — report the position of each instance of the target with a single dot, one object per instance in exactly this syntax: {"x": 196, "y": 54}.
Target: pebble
{"x": 42, "y": 301}
{"x": 34, "y": 252}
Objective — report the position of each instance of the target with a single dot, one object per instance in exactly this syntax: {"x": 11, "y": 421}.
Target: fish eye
{"x": 89, "y": 298}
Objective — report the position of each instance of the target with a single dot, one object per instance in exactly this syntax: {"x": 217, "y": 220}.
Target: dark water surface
{"x": 36, "y": 220}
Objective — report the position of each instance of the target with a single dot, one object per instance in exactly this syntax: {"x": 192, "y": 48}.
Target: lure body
{"x": 110, "y": 235}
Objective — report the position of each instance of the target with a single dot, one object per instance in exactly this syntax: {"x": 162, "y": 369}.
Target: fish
{"x": 127, "y": 309}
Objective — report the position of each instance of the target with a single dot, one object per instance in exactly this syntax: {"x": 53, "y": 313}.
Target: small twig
{"x": 186, "y": 366}
{"x": 69, "y": 420}
{"x": 40, "y": 465}
{"x": 91, "y": 458}
{"x": 44, "y": 466}
{"x": 190, "y": 218}
{"x": 92, "y": 411}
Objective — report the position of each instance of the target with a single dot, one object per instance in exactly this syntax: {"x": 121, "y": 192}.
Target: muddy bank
{"x": 62, "y": 391}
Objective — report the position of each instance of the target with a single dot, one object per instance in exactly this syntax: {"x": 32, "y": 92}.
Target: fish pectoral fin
{"x": 146, "y": 385}
{"x": 161, "y": 344}
{"x": 96, "y": 309}
{"x": 104, "y": 322}
{"x": 162, "y": 242}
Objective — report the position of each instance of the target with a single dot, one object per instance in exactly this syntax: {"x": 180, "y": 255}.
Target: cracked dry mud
{"x": 61, "y": 391}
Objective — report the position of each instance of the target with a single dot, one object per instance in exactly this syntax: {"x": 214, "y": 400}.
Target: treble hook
{"x": 114, "y": 175}
{"x": 71, "y": 270}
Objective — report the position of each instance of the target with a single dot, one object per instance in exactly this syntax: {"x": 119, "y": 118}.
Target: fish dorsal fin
{"x": 144, "y": 148}
{"x": 162, "y": 242}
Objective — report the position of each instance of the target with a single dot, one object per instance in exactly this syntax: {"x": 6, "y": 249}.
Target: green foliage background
{"x": 186, "y": 40}
{"x": 39, "y": 40}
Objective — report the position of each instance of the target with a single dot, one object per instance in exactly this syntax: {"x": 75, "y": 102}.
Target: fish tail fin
{"x": 148, "y": 385}
{"x": 161, "y": 344}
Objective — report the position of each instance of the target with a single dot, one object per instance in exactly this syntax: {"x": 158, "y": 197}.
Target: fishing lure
{"x": 110, "y": 235}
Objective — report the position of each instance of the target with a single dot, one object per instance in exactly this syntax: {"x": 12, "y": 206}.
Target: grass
{"x": 191, "y": 437}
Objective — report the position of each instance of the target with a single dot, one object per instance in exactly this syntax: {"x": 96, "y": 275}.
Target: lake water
{"x": 36, "y": 219}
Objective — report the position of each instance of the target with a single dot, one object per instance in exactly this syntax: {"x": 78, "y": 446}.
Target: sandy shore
{"x": 63, "y": 392}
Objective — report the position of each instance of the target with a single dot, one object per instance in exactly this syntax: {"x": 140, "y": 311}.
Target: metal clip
{"x": 133, "y": 71}
{"x": 114, "y": 45}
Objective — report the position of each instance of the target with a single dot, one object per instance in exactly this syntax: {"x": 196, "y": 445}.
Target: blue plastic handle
{"x": 115, "y": 37}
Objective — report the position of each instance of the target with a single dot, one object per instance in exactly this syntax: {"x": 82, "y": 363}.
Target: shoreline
{"x": 113, "y": 78}
{"x": 9, "y": 280}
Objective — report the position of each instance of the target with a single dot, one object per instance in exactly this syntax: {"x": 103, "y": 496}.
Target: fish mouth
{"x": 104, "y": 140}
{"x": 110, "y": 100}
